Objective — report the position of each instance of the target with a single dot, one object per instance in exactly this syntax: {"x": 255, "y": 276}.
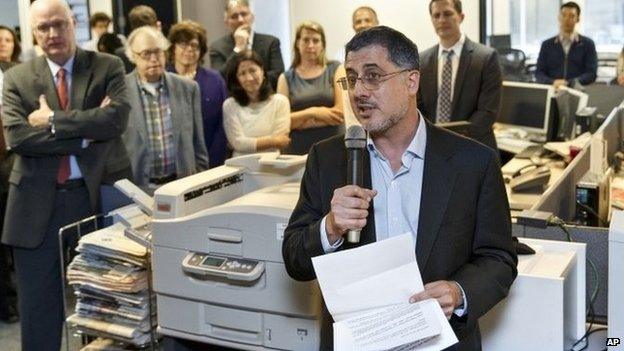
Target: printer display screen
{"x": 212, "y": 261}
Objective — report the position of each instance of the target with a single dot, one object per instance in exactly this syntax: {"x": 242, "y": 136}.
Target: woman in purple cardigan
{"x": 186, "y": 54}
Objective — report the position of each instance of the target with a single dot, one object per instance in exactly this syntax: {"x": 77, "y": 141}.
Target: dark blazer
{"x": 476, "y": 96}
{"x": 581, "y": 62}
{"x": 464, "y": 230}
{"x": 121, "y": 53}
{"x": 188, "y": 132}
{"x": 267, "y": 46}
{"x": 33, "y": 178}
{"x": 6, "y": 157}
{"x": 213, "y": 94}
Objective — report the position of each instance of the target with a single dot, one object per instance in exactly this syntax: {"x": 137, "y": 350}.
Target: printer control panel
{"x": 228, "y": 267}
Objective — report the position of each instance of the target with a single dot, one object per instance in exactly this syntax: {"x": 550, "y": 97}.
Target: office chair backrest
{"x": 512, "y": 63}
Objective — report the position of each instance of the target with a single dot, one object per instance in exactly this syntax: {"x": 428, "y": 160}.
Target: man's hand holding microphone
{"x": 349, "y": 209}
{"x": 350, "y": 204}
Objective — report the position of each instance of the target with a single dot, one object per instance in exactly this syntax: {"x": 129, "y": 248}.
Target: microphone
{"x": 355, "y": 142}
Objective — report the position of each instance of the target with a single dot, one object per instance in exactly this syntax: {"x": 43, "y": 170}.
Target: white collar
{"x": 54, "y": 67}
{"x": 457, "y": 47}
{"x": 573, "y": 37}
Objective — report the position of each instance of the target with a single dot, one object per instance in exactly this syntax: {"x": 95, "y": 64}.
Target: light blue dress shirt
{"x": 54, "y": 68}
{"x": 397, "y": 203}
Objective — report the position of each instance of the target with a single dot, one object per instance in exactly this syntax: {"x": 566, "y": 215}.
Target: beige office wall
{"x": 408, "y": 16}
{"x": 208, "y": 13}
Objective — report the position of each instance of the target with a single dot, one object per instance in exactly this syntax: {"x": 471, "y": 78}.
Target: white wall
{"x": 501, "y": 13}
{"x": 9, "y": 16}
{"x": 408, "y": 16}
{"x": 27, "y": 39}
{"x": 105, "y": 6}
{"x": 273, "y": 17}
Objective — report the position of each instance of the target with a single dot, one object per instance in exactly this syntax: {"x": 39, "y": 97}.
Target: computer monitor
{"x": 569, "y": 102}
{"x": 500, "y": 41}
{"x": 526, "y": 106}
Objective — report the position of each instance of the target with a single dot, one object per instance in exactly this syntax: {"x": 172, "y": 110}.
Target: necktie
{"x": 61, "y": 90}
{"x": 444, "y": 96}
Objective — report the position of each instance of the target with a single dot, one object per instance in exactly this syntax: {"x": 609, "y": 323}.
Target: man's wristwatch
{"x": 51, "y": 122}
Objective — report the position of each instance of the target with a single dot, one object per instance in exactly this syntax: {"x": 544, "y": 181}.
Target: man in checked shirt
{"x": 164, "y": 138}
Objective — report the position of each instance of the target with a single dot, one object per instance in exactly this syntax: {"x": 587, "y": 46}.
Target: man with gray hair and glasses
{"x": 63, "y": 112}
{"x": 165, "y": 136}
{"x": 446, "y": 190}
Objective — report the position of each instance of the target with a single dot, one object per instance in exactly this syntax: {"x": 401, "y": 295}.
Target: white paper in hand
{"x": 366, "y": 289}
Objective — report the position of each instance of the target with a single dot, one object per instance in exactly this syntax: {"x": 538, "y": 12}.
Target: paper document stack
{"x": 110, "y": 282}
{"x": 368, "y": 299}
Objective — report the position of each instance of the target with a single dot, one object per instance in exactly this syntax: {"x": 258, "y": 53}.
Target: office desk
{"x": 525, "y": 200}
{"x": 545, "y": 308}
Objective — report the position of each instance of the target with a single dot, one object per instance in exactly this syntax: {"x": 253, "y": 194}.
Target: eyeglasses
{"x": 58, "y": 26}
{"x": 371, "y": 80}
{"x": 192, "y": 46}
{"x": 147, "y": 54}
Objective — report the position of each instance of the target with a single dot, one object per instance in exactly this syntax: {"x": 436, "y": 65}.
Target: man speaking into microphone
{"x": 446, "y": 190}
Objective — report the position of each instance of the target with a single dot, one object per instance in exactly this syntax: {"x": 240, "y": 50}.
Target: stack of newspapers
{"x": 109, "y": 278}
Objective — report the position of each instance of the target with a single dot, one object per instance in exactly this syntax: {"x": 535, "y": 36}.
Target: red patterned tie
{"x": 61, "y": 90}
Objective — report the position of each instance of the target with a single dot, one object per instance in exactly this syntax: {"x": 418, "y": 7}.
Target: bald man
{"x": 63, "y": 112}
{"x": 364, "y": 17}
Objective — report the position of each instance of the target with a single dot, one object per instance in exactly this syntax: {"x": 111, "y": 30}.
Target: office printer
{"x": 217, "y": 260}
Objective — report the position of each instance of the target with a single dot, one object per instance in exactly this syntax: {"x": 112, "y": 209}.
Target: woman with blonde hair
{"x": 311, "y": 86}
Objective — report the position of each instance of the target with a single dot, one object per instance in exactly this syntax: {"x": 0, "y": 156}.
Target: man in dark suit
{"x": 445, "y": 189}
{"x": 239, "y": 19}
{"x": 461, "y": 79}
{"x": 568, "y": 57}
{"x": 62, "y": 113}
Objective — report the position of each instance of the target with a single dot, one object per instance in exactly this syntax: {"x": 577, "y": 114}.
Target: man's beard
{"x": 392, "y": 120}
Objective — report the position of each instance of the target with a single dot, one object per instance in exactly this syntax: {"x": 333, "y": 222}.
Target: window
{"x": 529, "y": 22}
{"x": 603, "y": 21}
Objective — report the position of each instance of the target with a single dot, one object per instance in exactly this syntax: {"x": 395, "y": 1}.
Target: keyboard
{"x": 513, "y": 145}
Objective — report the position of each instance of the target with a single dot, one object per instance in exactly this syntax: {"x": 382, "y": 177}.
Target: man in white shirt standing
{"x": 460, "y": 79}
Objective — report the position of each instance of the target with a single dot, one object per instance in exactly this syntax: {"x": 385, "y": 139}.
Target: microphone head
{"x": 355, "y": 137}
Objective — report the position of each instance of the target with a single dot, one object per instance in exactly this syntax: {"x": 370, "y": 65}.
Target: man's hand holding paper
{"x": 447, "y": 293}
{"x": 368, "y": 298}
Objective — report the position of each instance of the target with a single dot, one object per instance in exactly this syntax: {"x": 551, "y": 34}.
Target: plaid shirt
{"x": 157, "y": 114}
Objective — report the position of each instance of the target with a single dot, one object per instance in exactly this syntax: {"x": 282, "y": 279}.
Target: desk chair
{"x": 512, "y": 63}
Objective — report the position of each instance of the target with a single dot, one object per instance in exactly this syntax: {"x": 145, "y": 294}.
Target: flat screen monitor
{"x": 569, "y": 102}
{"x": 500, "y": 41}
{"x": 526, "y": 106}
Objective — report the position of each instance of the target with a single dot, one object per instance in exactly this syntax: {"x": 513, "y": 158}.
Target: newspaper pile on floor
{"x": 110, "y": 282}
